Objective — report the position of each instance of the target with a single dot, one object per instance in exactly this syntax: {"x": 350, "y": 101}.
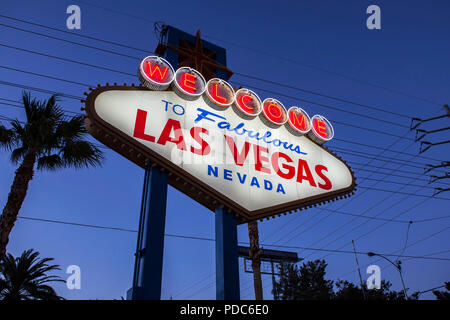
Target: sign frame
{"x": 181, "y": 180}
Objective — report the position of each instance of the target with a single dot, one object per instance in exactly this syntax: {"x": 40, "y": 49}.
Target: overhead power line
{"x": 240, "y": 74}
{"x": 410, "y": 245}
{"x": 305, "y": 229}
{"x": 67, "y": 60}
{"x": 364, "y": 82}
{"x": 209, "y": 239}
{"x": 237, "y": 73}
{"x": 71, "y": 42}
{"x": 250, "y": 86}
{"x": 76, "y": 34}
{"x": 85, "y": 84}
{"x": 369, "y": 107}
{"x": 354, "y": 168}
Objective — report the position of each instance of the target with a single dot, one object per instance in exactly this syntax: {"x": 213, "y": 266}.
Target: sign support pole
{"x": 150, "y": 245}
{"x": 227, "y": 264}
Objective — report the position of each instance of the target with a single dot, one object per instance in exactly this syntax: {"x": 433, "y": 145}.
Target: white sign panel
{"x": 261, "y": 169}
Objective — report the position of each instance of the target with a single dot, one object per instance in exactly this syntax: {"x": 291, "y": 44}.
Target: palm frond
{"x": 18, "y": 154}
{"x": 25, "y": 277}
{"x": 71, "y": 130}
{"x": 56, "y": 140}
{"x": 51, "y": 162}
{"x": 27, "y": 104}
{"x": 81, "y": 154}
{"x": 7, "y": 138}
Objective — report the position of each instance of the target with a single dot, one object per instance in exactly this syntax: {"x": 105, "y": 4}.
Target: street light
{"x": 397, "y": 265}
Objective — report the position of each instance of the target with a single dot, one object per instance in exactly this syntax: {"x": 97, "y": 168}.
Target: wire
{"x": 371, "y": 108}
{"x": 363, "y": 224}
{"x": 71, "y": 42}
{"x": 379, "y": 226}
{"x": 349, "y": 152}
{"x": 410, "y": 245}
{"x": 76, "y": 34}
{"x": 362, "y": 128}
{"x": 360, "y": 154}
{"x": 380, "y": 259}
{"x": 327, "y": 106}
{"x": 47, "y": 76}
{"x": 396, "y": 175}
{"x": 236, "y": 73}
{"x": 297, "y": 98}
{"x": 282, "y": 58}
{"x": 213, "y": 240}
{"x": 84, "y": 84}
{"x": 362, "y": 187}
{"x": 395, "y": 182}
{"x": 11, "y": 84}
{"x": 67, "y": 60}
{"x": 241, "y": 74}
{"x": 367, "y": 178}
{"x": 305, "y": 228}
{"x": 370, "y": 155}
{"x": 381, "y": 148}
{"x": 133, "y": 75}
{"x": 192, "y": 285}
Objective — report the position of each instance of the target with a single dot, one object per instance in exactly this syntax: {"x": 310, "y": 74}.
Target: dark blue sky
{"x": 326, "y": 48}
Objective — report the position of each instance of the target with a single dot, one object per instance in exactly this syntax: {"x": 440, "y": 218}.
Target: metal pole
{"x": 254, "y": 253}
{"x": 273, "y": 279}
{"x": 227, "y": 264}
{"x": 359, "y": 271}
{"x": 396, "y": 265}
{"x": 147, "y": 277}
{"x": 399, "y": 268}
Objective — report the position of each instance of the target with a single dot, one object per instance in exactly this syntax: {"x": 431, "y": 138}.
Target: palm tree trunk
{"x": 16, "y": 196}
{"x": 255, "y": 254}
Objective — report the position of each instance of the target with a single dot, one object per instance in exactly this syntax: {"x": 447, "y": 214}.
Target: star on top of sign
{"x": 196, "y": 57}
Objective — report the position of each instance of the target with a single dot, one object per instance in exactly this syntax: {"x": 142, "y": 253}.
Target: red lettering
{"x": 327, "y": 183}
{"x": 215, "y": 94}
{"x": 259, "y": 158}
{"x": 172, "y": 125}
{"x": 274, "y": 112}
{"x": 304, "y": 168}
{"x": 321, "y": 128}
{"x": 139, "y": 126}
{"x": 188, "y": 82}
{"x": 205, "y": 148}
{"x": 239, "y": 157}
{"x": 151, "y": 73}
{"x": 298, "y": 122}
{"x": 243, "y": 101}
{"x": 275, "y": 164}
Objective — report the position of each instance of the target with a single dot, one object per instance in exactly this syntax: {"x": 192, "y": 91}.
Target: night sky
{"x": 368, "y": 83}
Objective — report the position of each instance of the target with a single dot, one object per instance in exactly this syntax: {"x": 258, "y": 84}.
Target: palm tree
{"x": 25, "y": 277}
{"x": 47, "y": 138}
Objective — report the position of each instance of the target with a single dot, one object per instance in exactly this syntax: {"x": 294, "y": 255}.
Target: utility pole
{"x": 255, "y": 254}
{"x": 397, "y": 264}
{"x": 425, "y": 145}
{"x": 359, "y": 272}
{"x": 267, "y": 255}
{"x": 416, "y": 122}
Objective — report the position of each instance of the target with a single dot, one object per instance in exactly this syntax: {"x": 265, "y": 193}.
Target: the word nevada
{"x": 156, "y": 73}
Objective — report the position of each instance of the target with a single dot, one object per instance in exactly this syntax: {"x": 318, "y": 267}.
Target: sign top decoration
{"x": 221, "y": 147}
{"x": 156, "y": 73}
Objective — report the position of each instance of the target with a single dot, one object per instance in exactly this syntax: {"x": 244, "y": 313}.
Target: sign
{"x": 220, "y": 147}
